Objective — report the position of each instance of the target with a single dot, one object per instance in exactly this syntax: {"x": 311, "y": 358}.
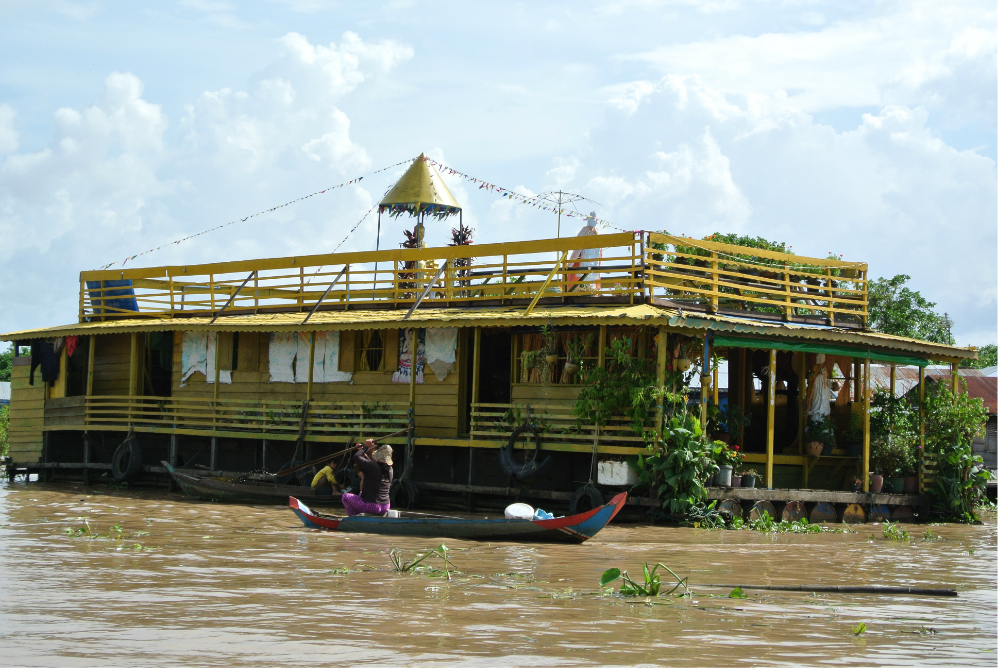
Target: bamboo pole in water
{"x": 845, "y": 589}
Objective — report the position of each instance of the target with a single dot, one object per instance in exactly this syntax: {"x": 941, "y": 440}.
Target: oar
{"x": 326, "y": 458}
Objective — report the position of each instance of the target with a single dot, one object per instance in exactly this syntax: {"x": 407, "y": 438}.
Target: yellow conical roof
{"x": 421, "y": 189}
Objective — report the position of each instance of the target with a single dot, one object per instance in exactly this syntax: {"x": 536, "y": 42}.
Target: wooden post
{"x": 704, "y": 379}
{"x": 866, "y": 425}
{"x": 746, "y": 384}
{"x": 601, "y": 354}
{"x": 955, "y": 375}
{"x": 713, "y": 285}
{"x": 90, "y": 364}
{"x": 770, "y": 417}
{"x": 216, "y": 362}
{"x": 311, "y": 364}
{"x": 413, "y": 359}
{"x": 893, "y": 379}
{"x": 855, "y": 380}
{"x": 133, "y": 366}
{"x": 213, "y": 456}
{"x": 86, "y": 459}
{"x": 717, "y": 395}
{"x": 173, "y": 450}
{"x": 662, "y": 358}
{"x": 263, "y": 455}
{"x": 801, "y": 402}
{"x": 921, "y": 429}
{"x": 476, "y": 365}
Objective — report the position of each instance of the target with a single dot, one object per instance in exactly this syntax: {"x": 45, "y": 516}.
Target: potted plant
{"x": 574, "y": 350}
{"x": 727, "y": 458}
{"x": 550, "y": 345}
{"x": 893, "y": 457}
{"x": 750, "y": 477}
{"x": 734, "y": 420}
{"x": 876, "y": 483}
{"x": 854, "y": 435}
{"x": 819, "y": 431}
{"x": 857, "y": 484}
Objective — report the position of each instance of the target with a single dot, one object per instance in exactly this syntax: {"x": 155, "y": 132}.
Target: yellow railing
{"x": 326, "y": 421}
{"x": 455, "y": 275}
{"x": 717, "y": 276}
{"x": 554, "y": 423}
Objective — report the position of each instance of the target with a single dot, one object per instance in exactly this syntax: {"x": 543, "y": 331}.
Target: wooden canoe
{"x": 572, "y": 529}
{"x": 246, "y": 491}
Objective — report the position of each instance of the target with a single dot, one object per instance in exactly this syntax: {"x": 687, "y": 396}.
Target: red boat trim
{"x": 323, "y": 522}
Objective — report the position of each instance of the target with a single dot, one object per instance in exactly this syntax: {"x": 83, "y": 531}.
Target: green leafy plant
{"x": 395, "y": 556}
{"x": 4, "y": 430}
{"x": 894, "y": 531}
{"x": 820, "y": 429}
{"x": 737, "y": 593}
{"x": 734, "y": 420}
{"x": 726, "y": 455}
{"x": 624, "y": 387}
{"x": 859, "y": 629}
{"x": 652, "y": 581}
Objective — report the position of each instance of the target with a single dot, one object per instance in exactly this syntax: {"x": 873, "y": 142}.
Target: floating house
{"x": 224, "y": 365}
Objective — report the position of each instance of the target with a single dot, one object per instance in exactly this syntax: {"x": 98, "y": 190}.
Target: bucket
{"x": 723, "y": 476}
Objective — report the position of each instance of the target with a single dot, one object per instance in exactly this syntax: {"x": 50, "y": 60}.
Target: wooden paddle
{"x": 326, "y": 458}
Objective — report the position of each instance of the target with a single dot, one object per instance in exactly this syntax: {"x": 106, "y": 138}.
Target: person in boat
{"x": 375, "y": 462}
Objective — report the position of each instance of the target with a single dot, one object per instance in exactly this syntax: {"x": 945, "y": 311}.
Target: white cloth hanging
{"x": 331, "y": 358}
{"x": 193, "y": 355}
{"x": 441, "y": 345}
{"x": 283, "y": 349}
{"x": 820, "y": 405}
{"x": 224, "y": 376}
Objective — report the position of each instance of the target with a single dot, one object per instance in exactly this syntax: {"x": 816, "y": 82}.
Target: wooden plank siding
{"x": 111, "y": 364}
{"x": 27, "y": 412}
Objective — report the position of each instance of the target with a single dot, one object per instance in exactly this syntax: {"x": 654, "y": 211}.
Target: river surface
{"x": 190, "y": 583}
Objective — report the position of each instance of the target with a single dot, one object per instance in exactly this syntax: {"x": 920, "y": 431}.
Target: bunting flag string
{"x": 534, "y": 201}
{"x": 270, "y": 210}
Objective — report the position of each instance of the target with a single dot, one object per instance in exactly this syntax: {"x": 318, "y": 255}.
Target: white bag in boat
{"x": 519, "y": 511}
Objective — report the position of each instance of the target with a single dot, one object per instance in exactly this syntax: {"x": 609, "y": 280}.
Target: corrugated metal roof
{"x": 507, "y": 316}
{"x": 984, "y": 388}
{"x": 977, "y": 384}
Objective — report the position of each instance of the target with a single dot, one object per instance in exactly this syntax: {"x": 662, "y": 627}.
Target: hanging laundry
{"x": 71, "y": 343}
{"x": 283, "y": 349}
{"x": 193, "y": 355}
{"x": 404, "y": 361}
{"x": 441, "y": 346}
{"x": 57, "y": 344}
{"x": 331, "y": 359}
{"x": 301, "y": 364}
{"x": 43, "y": 355}
{"x": 224, "y": 375}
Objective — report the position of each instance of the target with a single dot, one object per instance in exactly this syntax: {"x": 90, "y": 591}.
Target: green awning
{"x": 726, "y": 341}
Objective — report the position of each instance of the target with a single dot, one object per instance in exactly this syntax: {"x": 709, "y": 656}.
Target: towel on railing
{"x": 441, "y": 344}
{"x": 193, "y": 355}
{"x": 283, "y": 348}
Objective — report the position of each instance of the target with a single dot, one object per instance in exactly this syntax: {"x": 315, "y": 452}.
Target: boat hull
{"x": 249, "y": 491}
{"x": 571, "y": 529}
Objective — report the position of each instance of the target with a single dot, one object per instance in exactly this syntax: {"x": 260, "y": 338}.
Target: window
{"x": 532, "y": 361}
{"x": 370, "y": 350}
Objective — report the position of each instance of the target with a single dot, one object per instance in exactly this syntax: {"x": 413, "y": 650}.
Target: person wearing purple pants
{"x": 375, "y": 461}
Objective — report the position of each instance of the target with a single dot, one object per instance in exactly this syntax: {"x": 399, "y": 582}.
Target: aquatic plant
{"x": 395, "y": 556}
{"x": 85, "y": 530}
{"x": 894, "y": 531}
{"x": 652, "y": 581}
{"x": 859, "y": 629}
{"x": 765, "y": 524}
{"x": 737, "y": 593}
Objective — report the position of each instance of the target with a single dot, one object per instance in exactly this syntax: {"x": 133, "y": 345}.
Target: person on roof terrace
{"x": 376, "y": 463}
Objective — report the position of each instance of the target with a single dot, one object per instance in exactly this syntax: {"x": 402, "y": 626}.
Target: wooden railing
{"x": 716, "y": 275}
{"x": 280, "y": 420}
{"x": 456, "y": 275}
{"x": 554, "y": 422}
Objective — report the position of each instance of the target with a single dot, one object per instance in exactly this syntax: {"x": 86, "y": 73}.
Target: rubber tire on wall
{"x": 127, "y": 460}
{"x": 290, "y": 478}
{"x": 585, "y": 499}
{"x": 530, "y": 468}
{"x": 404, "y": 494}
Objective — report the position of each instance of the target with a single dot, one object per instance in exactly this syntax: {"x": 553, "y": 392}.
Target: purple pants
{"x": 356, "y": 505}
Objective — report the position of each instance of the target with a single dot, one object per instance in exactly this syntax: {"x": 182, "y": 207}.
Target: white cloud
{"x": 8, "y": 135}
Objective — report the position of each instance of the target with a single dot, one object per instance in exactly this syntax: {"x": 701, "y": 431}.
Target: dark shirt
{"x": 377, "y": 478}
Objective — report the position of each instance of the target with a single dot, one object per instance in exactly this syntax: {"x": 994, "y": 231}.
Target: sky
{"x": 864, "y": 129}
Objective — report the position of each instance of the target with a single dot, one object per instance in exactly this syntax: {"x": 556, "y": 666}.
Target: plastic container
{"x": 723, "y": 476}
{"x": 519, "y": 511}
{"x": 542, "y": 515}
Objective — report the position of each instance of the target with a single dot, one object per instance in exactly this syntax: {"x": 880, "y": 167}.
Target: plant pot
{"x": 855, "y": 448}
{"x": 814, "y": 448}
{"x": 723, "y": 476}
{"x": 876, "y": 483}
{"x": 894, "y": 485}
{"x": 826, "y": 449}
{"x": 748, "y": 480}
{"x": 571, "y": 368}
{"x": 551, "y": 359}
{"x": 857, "y": 486}
{"x": 736, "y": 481}
{"x": 911, "y": 485}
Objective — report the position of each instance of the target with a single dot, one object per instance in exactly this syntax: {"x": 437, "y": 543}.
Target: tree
{"x": 986, "y": 356}
{"x": 897, "y": 309}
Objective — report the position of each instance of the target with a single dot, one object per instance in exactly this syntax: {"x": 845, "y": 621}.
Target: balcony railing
{"x": 633, "y": 268}
{"x": 280, "y": 420}
{"x": 555, "y": 425}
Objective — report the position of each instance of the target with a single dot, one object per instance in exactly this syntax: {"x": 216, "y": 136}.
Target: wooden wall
{"x": 436, "y": 401}
{"x": 27, "y": 408}
{"x": 111, "y": 364}
{"x": 540, "y": 394}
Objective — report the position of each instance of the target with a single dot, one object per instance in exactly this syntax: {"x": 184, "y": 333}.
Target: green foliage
{"x": 675, "y": 469}
{"x": 395, "y": 556}
{"x": 625, "y": 386}
{"x": 820, "y": 429}
{"x": 4, "y": 430}
{"x": 726, "y": 455}
{"x": 986, "y": 356}
{"x": 899, "y": 310}
{"x": 737, "y": 593}
{"x": 894, "y": 434}
{"x": 765, "y": 524}
{"x": 951, "y": 425}
{"x": 859, "y": 629}
{"x": 652, "y": 581}
{"x": 894, "y": 531}
{"x": 733, "y": 420}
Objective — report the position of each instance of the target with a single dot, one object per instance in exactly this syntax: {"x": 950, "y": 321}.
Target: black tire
{"x": 529, "y": 468}
{"x": 585, "y": 499}
{"x": 127, "y": 460}
{"x": 290, "y": 478}
{"x": 404, "y": 494}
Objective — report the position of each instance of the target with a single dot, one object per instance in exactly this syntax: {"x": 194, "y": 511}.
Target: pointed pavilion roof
{"x": 420, "y": 190}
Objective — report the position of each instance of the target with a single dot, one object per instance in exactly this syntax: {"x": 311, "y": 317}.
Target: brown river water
{"x": 203, "y": 584}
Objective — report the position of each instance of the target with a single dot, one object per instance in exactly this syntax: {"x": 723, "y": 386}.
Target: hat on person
{"x": 383, "y": 453}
